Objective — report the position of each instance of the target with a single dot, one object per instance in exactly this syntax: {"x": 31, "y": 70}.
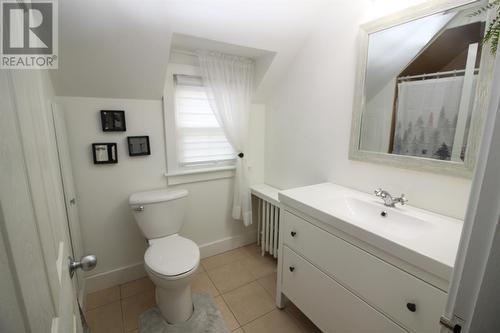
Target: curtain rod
{"x": 422, "y": 76}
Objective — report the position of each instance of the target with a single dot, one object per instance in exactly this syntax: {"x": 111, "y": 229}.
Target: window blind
{"x": 200, "y": 139}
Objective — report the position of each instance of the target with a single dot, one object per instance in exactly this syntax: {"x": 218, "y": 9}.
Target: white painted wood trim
{"x": 69, "y": 192}
{"x": 416, "y": 12}
{"x": 202, "y": 175}
{"x": 480, "y": 103}
{"x": 196, "y": 171}
{"x": 228, "y": 243}
{"x": 114, "y": 277}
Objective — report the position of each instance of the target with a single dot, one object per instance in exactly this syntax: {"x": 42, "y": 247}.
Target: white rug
{"x": 206, "y": 318}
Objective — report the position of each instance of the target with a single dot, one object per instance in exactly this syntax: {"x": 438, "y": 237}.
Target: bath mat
{"x": 206, "y": 318}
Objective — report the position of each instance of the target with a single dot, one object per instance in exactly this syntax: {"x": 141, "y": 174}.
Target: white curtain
{"x": 229, "y": 83}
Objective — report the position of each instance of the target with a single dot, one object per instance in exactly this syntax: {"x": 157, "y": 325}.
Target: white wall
{"x": 108, "y": 227}
{"x": 308, "y": 120}
{"x": 257, "y": 143}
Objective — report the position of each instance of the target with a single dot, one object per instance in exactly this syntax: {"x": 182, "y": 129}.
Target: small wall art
{"x": 138, "y": 145}
{"x": 104, "y": 153}
{"x": 113, "y": 121}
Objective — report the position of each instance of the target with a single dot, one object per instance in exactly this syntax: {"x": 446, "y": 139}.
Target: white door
{"x": 70, "y": 198}
{"x": 480, "y": 225}
{"x": 33, "y": 221}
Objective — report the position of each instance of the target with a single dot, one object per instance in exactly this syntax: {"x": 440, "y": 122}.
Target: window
{"x": 199, "y": 138}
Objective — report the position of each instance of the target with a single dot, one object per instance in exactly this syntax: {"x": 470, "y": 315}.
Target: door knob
{"x": 293, "y": 233}
{"x": 86, "y": 263}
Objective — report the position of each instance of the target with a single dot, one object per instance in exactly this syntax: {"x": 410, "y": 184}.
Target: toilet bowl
{"x": 170, "y": 260}
{"x": 171, "y": 263}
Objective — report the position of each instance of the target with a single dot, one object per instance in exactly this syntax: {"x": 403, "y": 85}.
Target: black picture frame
{"x": 105, "y": 153}
{"x": 138, "y": 145}
{"x": 113, "y": 121}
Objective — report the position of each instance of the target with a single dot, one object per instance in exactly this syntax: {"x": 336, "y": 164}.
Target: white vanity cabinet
{"x": 344, "y": 288}
{"x": 352, "y": 264}
{"x": 326, "y": 302}
{"x": 344, "y": 284}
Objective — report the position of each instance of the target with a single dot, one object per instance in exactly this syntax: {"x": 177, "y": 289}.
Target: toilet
{"x": 170, "y": 260}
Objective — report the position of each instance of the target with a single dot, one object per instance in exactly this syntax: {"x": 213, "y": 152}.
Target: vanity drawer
{"x": 329, "y": 305}
{"x": 383, "y": 285}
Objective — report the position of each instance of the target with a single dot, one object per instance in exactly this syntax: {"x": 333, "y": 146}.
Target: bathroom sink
{"x": 388, "y": 221}
{"x": 422, "y": 238}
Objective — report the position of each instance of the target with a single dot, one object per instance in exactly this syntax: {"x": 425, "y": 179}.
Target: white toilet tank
{"x": 159, "y": 213}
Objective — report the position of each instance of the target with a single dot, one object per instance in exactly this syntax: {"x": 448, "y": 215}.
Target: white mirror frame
{"x": 464, "y": 169}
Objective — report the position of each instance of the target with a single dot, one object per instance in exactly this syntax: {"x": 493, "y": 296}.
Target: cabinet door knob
{"x": 291, "y": 268}
{"x": 293, "y": 233}
{"x": 411, "y": 306}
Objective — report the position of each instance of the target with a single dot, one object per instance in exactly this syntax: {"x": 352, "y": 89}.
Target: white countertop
{"x": 427, "y": 240}
{"x": 266, "y": 192}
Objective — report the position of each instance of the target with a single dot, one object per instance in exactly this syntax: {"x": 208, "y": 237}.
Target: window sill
{"x": 199, "y": 175}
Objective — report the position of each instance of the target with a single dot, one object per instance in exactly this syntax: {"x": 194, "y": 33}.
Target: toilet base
{"x": 176, "y": 305}
{"x": 173, "y": 292}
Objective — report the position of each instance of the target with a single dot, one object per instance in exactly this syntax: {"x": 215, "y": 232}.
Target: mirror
{"x": 422, "y": 79}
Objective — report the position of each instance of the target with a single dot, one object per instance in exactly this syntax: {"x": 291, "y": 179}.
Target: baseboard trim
{"x": 135, "y": 271}
{"x": 227, "y": 244}
{"x": 114, "y": 277}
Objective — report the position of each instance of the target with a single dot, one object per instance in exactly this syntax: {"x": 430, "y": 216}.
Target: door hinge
{"x": 450, "y": 324}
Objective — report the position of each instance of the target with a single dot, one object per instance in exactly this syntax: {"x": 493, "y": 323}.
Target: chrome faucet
{"x": 389, "y": 200}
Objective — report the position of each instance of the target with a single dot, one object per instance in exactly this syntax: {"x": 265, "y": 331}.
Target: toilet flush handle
{"x": 139, "y": 209}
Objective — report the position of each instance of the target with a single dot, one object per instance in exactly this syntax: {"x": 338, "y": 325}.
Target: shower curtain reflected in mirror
{"x": 426, "y": 118}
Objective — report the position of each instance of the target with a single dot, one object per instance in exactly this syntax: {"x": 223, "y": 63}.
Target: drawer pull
{"x": 411, "y": 306}
{"x": 291, "y": 268}
{"x": 293, "y": 233}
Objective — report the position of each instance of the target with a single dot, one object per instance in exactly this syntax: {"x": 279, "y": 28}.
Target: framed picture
{"x": 113, "y": 121}
{"x": 104, "y": 153}
{"x": 138, "y": 145}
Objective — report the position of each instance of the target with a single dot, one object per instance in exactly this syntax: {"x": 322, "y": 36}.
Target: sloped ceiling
{"x": 185, "y": 45}
{"x": 120, "y": 48}
{"x": 383, "y": 66}
{"x": 448, "y": 51}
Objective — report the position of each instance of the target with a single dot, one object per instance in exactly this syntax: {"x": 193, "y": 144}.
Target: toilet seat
{"x": 172, "y": 257}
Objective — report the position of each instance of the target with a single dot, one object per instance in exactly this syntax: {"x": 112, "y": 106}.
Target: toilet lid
{"x": 172, "y": 255}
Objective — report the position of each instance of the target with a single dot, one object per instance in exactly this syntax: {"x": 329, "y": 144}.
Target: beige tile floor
{"x": 242, "y": 282}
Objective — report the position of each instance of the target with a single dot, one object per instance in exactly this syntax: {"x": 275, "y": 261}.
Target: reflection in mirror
{"x": 420, "y": 86}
